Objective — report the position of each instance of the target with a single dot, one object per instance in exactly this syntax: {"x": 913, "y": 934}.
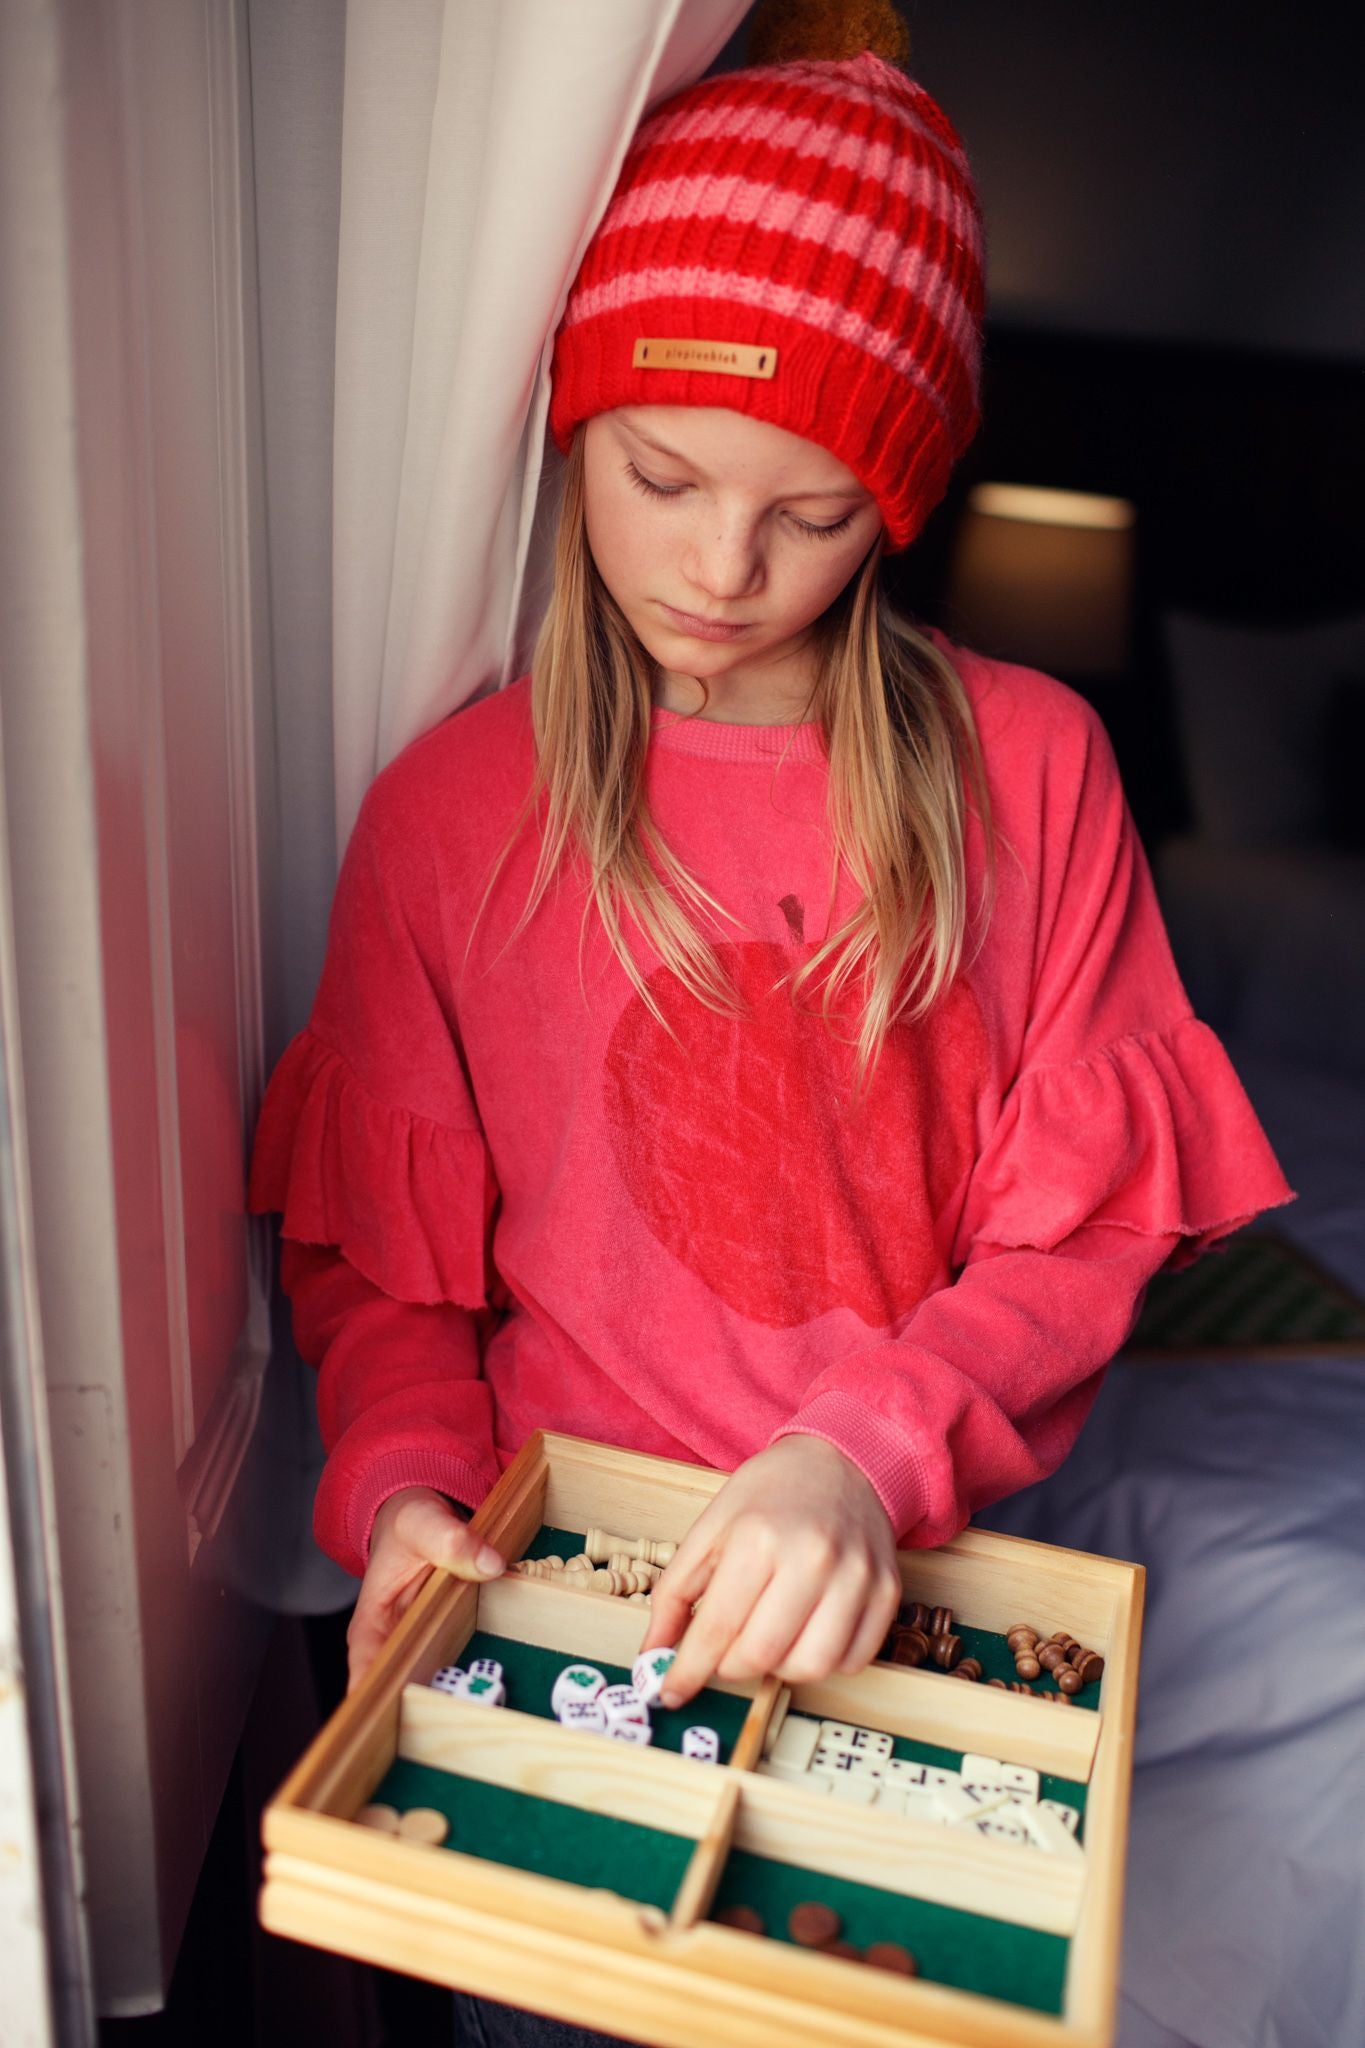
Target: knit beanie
{"x": 799, "y": 241}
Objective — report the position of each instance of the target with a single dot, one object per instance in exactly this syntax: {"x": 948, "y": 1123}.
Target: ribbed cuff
{"x": 877, "y": 1446}
{"x": 440, "y": 1470}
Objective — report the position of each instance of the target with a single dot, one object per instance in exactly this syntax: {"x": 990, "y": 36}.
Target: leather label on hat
{"x": 728, "y": 358}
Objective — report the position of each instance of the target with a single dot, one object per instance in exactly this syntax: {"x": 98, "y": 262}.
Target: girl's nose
{"x": 727, "y": 560}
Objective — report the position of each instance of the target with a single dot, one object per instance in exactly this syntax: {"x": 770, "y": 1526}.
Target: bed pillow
{"x": 1255, "y": 710}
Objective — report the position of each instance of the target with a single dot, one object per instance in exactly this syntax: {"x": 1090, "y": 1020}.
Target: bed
{"x": 1238, "y": 1484}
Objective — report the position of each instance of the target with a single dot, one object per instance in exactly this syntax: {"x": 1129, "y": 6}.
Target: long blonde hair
{"x": 904, "y": 766}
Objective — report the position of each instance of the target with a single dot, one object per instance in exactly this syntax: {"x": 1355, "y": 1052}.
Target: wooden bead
{"x": 1067, "y": 1679}
{"x": 945, "y": 1649}
{"x": 1088, "y": 1666}
{"x": 914, "y": 1614}
{"x": 998, "y": 1683}
{"x": 968, "y": 1668}
{"x": 1051, "y": 1655}
{"x": 940, "y": 1621}
{"x": 1065, "y": 1643}
{"x": 911, "y": 1647}
{"x": 1021, "y": 1636}
{"x": 1027, "y": 1666}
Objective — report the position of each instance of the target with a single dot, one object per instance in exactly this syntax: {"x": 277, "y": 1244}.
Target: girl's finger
{"x": 828, "y": 1635}
{"x": 775, "y": 1621}
{"x": 439, "y": 1536}
{"x": 878, "y": 1616}
{"x": 735, "y": 1585}
{"x": 371, "y": 1626}
{"x": 678, "y": 1588}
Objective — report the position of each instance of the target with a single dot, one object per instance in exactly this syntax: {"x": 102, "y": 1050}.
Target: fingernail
{"x": 670, "y": 1699}
{"x": 489, "y": 1560}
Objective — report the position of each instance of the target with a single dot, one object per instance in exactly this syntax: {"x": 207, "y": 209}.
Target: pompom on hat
{"x": 800, "y": 241}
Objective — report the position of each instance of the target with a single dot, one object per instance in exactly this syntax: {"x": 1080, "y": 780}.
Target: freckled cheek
{"x": 617, "y": 550}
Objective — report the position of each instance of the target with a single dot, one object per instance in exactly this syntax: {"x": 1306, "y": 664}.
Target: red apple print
{"x": 739, "y": 1144}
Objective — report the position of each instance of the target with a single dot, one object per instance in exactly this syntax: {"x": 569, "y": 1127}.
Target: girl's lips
{"x": 699, "y": 628}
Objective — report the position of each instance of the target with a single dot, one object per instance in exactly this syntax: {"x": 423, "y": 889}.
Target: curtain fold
{"x": 480, "y": 145}
{"x": 427, "y": 175}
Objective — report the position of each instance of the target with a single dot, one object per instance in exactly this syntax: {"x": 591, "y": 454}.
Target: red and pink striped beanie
{"x": 801, "y": 242}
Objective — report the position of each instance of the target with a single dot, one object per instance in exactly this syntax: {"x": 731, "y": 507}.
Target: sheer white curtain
{"x": 480, "y": 143}
{"x": 428, "y": 173}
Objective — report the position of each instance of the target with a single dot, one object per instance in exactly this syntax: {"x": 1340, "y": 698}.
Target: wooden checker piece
{"x": 424, "y": 1824}
{"x": 812, "y": 1925}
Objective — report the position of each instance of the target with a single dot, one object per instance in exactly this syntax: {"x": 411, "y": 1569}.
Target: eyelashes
{"x": 642, "y": 483}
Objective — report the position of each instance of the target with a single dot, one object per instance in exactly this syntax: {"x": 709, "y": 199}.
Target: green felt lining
{"x": 541, "y": 1835}
{"x": 964, "y": 1950}
{"x": 997, "y": 1661}
{"x": 530, "y": 1672}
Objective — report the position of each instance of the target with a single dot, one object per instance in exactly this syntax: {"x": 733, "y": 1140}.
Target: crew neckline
{"x": 718, "y": 739}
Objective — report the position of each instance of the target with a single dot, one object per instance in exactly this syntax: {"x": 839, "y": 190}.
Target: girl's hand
{"x": 414, "y": 1530}
{"x": 794, "y": 1566}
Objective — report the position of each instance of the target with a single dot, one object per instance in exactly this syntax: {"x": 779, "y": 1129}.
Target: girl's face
{"x": 700, "y": 513}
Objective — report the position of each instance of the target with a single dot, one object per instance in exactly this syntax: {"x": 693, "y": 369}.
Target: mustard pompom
{"x": 783, "y": 30}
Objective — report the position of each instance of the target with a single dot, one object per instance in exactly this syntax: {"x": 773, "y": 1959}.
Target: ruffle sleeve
{"x": 408, "y": 1201}
{"x": 1151, "y": 1133}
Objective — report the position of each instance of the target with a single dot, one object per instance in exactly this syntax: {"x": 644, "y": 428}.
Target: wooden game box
{"x": 580, "y": 1873}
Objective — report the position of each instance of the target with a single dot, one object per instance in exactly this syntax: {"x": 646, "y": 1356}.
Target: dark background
{"x": 1174, "y": 199}
{"x": 1175, "y": 207}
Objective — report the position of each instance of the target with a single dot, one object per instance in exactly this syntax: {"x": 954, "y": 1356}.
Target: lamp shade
{"x": 1044, "y": 577}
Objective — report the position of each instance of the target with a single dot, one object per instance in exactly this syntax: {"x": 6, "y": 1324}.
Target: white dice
{"x": 702, "y": 1743}
{"x": 630, "y": 1731}
{"x": 622, "y": 1703}
{"x": 577, "y": 1682}
{"x": 650, "y": 1671}
{"x": 447, "y": 1679}
{"x": 482, "y": 1689}
{"x": 486, "y": 1667}
{"x": 587, "y": 1714}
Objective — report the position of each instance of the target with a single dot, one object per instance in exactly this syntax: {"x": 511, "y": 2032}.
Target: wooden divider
{"x": 593, "y": 1486}
{"x": 925, "y": 1707}
{"x": 526, "y": 1753}
{"x": 704, "y": 1872}
{"x": 992, "y": 1581}
{"x": 916, "y": 1858}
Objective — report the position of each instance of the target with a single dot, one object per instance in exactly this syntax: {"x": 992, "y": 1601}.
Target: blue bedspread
{"x": 1241, "y": 1488}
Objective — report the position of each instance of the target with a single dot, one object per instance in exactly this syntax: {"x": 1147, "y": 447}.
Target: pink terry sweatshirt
{"x": 511, "y": 1199}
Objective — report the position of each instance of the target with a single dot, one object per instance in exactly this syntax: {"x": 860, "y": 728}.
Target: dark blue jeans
{"x": 480, "y": 2023}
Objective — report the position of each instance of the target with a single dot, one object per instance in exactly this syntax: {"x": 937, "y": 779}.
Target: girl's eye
{"x": 676, "y": 490}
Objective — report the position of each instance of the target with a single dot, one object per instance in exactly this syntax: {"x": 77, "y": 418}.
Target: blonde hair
{"x": 904, "y": 766}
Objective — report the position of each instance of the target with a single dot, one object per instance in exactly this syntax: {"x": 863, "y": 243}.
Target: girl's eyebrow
{"x": 846, "y": 497}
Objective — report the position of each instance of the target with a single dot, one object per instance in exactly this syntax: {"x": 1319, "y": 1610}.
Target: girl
{"x": 751, "y": 1036}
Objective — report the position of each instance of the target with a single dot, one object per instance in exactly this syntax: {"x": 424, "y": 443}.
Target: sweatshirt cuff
{"x": 876, "y": 1445}
{"x": 443, "y": 1471}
